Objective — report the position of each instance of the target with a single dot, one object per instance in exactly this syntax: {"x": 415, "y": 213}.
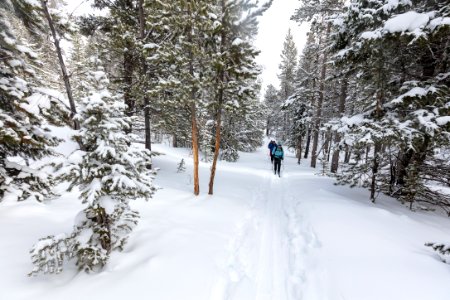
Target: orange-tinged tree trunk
{"x": 195, "y": 149}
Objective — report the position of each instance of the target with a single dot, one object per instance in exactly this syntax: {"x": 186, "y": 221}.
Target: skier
{"x": 278, "y": 156}
{"x": 272, "y": 145}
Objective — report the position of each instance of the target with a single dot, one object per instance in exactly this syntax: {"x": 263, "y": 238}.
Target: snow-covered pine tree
{"x": 287, "y": 68}
{"x": 26, "y": 105}
{"x": 110, "y": 172}
{"x": 402, "y": 95}
{"x": 272, "y": 106}
{"x": 319, "y": 13}
{"x": 122, "y": 31}
{"x": 233, "y": 66}
{"x": 184, "y": 67}
{"x": 57, "y": 26}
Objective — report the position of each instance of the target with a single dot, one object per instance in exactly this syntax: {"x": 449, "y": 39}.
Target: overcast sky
{"x": 273, "y": 27}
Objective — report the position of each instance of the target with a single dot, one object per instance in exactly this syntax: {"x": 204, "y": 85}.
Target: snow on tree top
{"x": 436, "y": 22}
{"x": 26, "y": 50}
{"x": 150, "y": 46}
{"x": 32, "y": 2}
{"x": 410, "y": 21}
{"x": 414, "y": 92}
{"x": 237, "y": 42}
{"x": 442, "y": 121}
{"x": 7, "y": 39}
{"x": 393, "y": 4}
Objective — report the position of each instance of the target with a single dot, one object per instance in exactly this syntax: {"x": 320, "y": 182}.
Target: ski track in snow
{"x": 272, "y": 250}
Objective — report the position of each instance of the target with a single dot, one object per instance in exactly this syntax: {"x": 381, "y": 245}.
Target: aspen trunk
{"x": 220, "y": 84}
{"x": 73, "y": 109}
{"x": 193, "y": 110}
{"x": 216, "y": 153}
{"x": 195, "y": 145}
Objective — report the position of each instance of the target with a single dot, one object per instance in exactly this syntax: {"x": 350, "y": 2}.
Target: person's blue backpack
{"x": 278, "y": 153}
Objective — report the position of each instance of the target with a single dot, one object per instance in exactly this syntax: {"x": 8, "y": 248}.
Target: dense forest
{"x": 366, "y": 101}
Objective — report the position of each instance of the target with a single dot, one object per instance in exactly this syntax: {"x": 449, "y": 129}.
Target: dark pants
{"x": 271, "y": 157}
{"x": 276, "y": 165}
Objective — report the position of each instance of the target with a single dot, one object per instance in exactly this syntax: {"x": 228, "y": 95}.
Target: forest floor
{"x": 259, "y": 237}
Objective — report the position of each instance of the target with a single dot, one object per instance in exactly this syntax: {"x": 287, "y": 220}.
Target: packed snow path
{"x": 272, "y": 245}
{"x": 259, "y": 237}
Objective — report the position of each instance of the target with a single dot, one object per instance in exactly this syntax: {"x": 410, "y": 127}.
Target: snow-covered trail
{"x": 273, "y": 244}
{"x": 259, "y": 237}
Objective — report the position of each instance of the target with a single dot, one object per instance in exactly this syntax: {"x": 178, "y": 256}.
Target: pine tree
{"x": 404, "y": 90}
{"x": 26, "y": 106}
{"x": 288, "y": 67}
{"x": 272, "y": 105}
{"x": 185, "y": 68}
{"x": 54, "y": 25}
{"x": 110, "y": 172}
{"x": 235, "y": 70}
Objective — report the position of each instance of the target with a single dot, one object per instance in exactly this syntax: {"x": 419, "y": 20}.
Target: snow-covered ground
{"x": 259, "y": 237}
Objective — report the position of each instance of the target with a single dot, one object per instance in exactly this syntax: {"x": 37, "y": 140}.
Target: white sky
{"x": 273, "y": 27}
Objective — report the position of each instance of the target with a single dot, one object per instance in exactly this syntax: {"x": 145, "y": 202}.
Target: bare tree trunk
{"x": 195, "y": 143}
{"x": 330, "y": 144}
{"x": 378, "y": 144}
{"x": 299, "y": 149}
{"x": 375, "y": 166}
{"x": 308, "y": 142}
{"x": 73, "y": 109}
{"x": 337, "y": 137}
{"x": 319, "y": 103}
{"x": 193, "y": 109}
{"x": 348, "y": 154}
{"x": 221, "y": 85}
{"x": 216, "y": 151}
{"x": 327, "y": 137}
{"x": 128, "y": 67}
{"x": 367, "y": 153}
{"x": 147, "y": 129}
{"x": 174, "y": 141}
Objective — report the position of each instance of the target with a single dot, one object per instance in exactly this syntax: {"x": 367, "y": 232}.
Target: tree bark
{"x": 348, "y": 154}
{"x": 308, "y": 142}
{"x": 216, "y": 152}
{"x": 147, "y": 129}
{"x": 375, "y": 166}
{"x": 319, "y": 103}
{"x": 221, "y": 85}
{"x": 73, "y": 109}
{"x": 337, "y": 137}
{"x": 193, "y": 107}
{"x": 402, "y": 164}
{"x": 195, "y": 143}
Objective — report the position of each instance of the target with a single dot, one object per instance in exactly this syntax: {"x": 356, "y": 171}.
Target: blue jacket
{"x": 271, "y": 146}
{"x": 278, "y": 154}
